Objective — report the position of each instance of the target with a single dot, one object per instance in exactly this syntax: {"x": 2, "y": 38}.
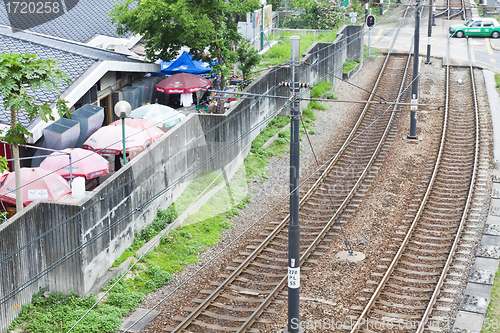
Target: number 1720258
{"x": 35, "y": 7}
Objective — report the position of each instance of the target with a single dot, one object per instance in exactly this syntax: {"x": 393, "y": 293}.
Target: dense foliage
{"x": 20, "y": 76}
{"x": 320, "y": 14}
{"x": 208, "y": 27}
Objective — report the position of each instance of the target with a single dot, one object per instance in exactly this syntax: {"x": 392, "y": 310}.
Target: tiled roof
{"x": 81, "y": 23}
{"x": 74, "y": 59}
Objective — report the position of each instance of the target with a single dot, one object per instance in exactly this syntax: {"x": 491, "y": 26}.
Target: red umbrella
{"x": 183, "y": 83}
{"x": 37, "y": 184}
{"x": 84, "y": 163}
{"x": 108, "y": 140}
{"x": 153, "y": 132}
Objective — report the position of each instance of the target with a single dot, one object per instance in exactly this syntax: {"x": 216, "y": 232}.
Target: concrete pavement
{"x": 484, "y": 52}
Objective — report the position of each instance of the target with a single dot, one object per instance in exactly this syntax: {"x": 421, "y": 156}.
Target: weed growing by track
{"x": 55, "y": 312}
{"x": 497, "y": 81}
{"x": 493, "y": 311}
{"x": 349, "y": 65}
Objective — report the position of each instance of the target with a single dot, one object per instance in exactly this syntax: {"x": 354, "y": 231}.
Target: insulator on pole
{"x": 301, "y": 84}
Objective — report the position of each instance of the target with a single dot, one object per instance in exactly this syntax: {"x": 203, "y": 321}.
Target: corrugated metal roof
{"x": 75, "y": 59}
{"x": 81, "y": 23}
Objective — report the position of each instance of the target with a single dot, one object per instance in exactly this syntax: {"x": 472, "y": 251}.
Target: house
{"x": 84, "y": 43}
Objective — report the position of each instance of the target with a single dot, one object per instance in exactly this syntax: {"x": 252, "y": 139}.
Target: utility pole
{"x": 433, "y": 13}
{"x": 429, "y": 34}
{"x": 294, "y": 231}
{"x": 414, "y": 85}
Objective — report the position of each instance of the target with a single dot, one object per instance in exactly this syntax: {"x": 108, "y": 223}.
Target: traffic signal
{"x": 370, "y": 20}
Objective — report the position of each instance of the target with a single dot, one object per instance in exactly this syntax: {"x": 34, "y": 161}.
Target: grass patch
{"x": 497, "y": 81}
{"x": 349, "y": 65}
{"x": 281, "y": 52}
{"x": 373, "y": 52}
{"x": 320, "y": 89}
{"x": 317, "y": 105}
{"x": 331, "y": 95}
{"x": 55, "y": 312}
{"x": 163, "y": 218}
{"x": 256, "y": 161}
{"x": 492, "y": 318}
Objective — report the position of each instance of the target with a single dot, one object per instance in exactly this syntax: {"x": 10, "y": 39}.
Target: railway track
{"x": 406, "y": 295}
{"x": 237, "y": 302}
{"x": 453, "y": 8}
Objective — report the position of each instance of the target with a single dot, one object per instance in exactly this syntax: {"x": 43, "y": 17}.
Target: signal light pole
{"x": 370, "y": 21}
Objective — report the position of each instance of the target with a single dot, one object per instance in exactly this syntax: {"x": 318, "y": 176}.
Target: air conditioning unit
{"x": 116, "y": 96}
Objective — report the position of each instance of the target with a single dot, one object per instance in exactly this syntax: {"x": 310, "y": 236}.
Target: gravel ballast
{"x": 332, "y": 287}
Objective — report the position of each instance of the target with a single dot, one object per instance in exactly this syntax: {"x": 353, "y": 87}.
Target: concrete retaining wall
{"x": 70, "y": 246}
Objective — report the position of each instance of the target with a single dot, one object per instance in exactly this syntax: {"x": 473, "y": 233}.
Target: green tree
{"x": 248, "y": 58}
{"x": 20, "y": 76}
{"x": 202, "y": 25}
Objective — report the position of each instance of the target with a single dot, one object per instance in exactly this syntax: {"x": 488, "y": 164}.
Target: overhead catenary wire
{"x": 346, "y": 242}
{"x": 201, "y": 268}
{"x": 151, "y": 247}
{"x": 323, "y": 99}
{"x": 200, "y": 137}
{"x": 127, "y": 215}
{"x": 219, "y": 253}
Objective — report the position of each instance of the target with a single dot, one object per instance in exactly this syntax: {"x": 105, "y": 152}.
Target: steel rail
{"x": 440, "y": 283}
{"x": 198, "y": 310}
{"x": 258, "y": 311}
{"x": 449, "y": 7}
{"x": 254, "y": 316}
{"x": 398, "y": 255}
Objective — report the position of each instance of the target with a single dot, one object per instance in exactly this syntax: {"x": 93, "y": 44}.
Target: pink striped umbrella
{"x": 152, "y": 131}
{"x": 108, "y": 140}
{"x": 84, "y": 163}
{"x": 37, "y": 184}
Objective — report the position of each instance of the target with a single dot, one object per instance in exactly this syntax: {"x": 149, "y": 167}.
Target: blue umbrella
{"x": 158, "y": 114}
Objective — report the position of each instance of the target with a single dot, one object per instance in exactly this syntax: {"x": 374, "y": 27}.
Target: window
{"x": 488, "y": 24}
{"x": 476, "y": 24}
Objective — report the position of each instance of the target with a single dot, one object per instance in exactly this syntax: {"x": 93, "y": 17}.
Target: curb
{"x": 493, "y": 46}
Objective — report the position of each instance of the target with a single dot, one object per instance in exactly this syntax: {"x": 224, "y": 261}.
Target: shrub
{"x": 128, "y": 300}
{"x": 331, "y": 95}
{"x": 232, "y": 212}
{"x": 157, "y": 277}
